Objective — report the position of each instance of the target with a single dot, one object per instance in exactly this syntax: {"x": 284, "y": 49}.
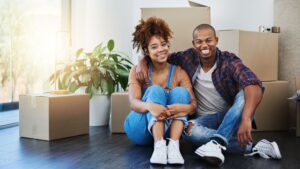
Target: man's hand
{"x": 244, "y": 132}
{"x": 142, "y": 71}
{"x": 157, "y": 110}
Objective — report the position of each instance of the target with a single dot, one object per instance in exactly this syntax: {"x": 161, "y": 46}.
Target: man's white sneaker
{"x": 212, "y": 152}
{"x": 174, "y": 155}
{"x": 159, "y": 155}
{"x": 266, "y": 149}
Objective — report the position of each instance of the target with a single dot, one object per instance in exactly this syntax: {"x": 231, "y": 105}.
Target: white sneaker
{"x": 174, "y": 155}
{"x": 159, "y": 155}
{"x": 212, "y": 152}
{"x": 266, "y": 149}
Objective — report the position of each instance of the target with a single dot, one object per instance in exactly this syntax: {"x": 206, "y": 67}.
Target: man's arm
{"x": 176, "y": 58}
{"x": 142, "y": 70}
{"x": 253, "y": 95}
{"x": 253, "y": 92}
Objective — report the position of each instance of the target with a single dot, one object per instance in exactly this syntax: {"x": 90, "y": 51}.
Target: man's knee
{"x": 189, "y": 128}
{"x": 195, "y": 135}
{"x": 239, "y": 99}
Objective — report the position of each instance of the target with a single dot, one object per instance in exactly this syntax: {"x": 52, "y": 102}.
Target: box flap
{"x": 194, "y": 3}
{"x": 52, "y": 95}
{"x": 228, "y": 30}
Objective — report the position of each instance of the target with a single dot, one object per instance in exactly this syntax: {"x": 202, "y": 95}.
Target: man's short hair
{"x": 203, "y": 26}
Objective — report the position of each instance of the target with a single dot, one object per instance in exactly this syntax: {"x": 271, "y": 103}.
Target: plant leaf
{"x": 79, "y": 52}
{"x": 123, "y": 78}
{"x": 73, "y": 87}
{"x": 115, "y": 57}
{"x": 88, "y": 91}
{"x": 110, "y": 45}
{"x": 95, "y": 77}
{"x": 53, "y": 78}
{"x": 108, "y": 63}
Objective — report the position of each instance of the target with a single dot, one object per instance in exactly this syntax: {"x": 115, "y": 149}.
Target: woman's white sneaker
{"x": 159, "y": 155}
{"x": 174, "y": 155}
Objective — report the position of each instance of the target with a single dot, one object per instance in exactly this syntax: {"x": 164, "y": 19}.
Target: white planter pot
{"x": 99, "y": 110}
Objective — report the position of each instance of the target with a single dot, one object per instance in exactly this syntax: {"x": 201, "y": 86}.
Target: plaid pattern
{"x": 229, "y": 77}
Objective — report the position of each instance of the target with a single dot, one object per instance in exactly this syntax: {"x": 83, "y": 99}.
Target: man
{"x": 227, "y": 94}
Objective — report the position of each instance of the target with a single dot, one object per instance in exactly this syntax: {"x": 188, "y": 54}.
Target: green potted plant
{"x": 100, "y": 72}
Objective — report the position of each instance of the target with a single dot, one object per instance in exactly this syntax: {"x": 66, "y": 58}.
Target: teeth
{"x": 206, "y": 51}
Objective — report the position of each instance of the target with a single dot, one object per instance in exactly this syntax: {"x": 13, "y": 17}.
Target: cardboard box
{"x": 182, "y": 22}
{"x": 272, "y": 113}
{"x": 257, "y": 50}
{"x": 120, "y": 107}
{"x": 49, "y": 116}
{"x": 298, "y": 108}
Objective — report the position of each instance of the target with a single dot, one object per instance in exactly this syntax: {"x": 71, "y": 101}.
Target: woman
{"x": 159, "y": 107}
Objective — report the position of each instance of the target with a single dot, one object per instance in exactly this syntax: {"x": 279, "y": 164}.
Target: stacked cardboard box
{"x": 259, "y": 51}
{"x": 182, "y": 22}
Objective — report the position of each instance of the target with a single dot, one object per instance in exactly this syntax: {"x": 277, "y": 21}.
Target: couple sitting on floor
{"x": 215, "y": 86}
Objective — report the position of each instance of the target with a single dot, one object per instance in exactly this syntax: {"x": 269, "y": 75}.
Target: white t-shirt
{"x": 209, "y": 101}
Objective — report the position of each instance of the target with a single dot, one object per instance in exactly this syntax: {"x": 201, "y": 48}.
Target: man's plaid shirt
{"x": 229, "y": 77}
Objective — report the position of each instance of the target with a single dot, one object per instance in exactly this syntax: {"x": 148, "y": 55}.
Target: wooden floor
{"x": 100, "y": 149}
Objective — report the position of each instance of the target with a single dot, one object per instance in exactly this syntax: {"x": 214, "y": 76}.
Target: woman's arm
{"x": 183, "y": 109}
{"x": 135, "y": 98}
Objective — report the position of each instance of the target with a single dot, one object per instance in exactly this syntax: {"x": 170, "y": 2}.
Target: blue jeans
{"x": 138, "y": 125}
{"x": 221, "y": 126}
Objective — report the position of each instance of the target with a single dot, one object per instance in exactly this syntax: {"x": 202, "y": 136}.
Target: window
{"x": 28, "y": 36}
{"x": 27, "y": 45}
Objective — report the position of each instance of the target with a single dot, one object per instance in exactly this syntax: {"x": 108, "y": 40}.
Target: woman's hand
{"x": 158, "y": 111}
{"x": 178, "y": 110}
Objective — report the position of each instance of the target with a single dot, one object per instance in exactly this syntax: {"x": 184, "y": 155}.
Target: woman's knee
{"x": 156, "y": 89}
{"x": 179, "y": 95}
{"x": 155, "y": 94}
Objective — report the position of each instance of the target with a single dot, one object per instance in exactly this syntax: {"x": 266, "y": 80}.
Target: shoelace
{"x": 263, "y": 155}
{"x": 219, "y": 145}
{"x": 159, "y": 145}
{"x": 262, "y": 150}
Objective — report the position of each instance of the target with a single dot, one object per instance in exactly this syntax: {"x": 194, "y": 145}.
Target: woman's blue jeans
{"x": 222, "y": 126}
{"x": 138, "y": 125}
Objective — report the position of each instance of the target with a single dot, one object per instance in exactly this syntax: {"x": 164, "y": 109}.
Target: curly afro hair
{"x": 153, "y": 26}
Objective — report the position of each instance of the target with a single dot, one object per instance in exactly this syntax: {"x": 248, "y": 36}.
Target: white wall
{"x": 94, "y": 21}
{"x": 240, "y": 14}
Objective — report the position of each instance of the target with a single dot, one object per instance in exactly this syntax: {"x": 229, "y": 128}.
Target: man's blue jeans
{"x": 137, "y": 125}
{"x": 222, "y": 126}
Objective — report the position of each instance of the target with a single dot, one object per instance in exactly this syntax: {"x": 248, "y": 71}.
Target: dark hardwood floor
{"x": 100, "y": 149}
